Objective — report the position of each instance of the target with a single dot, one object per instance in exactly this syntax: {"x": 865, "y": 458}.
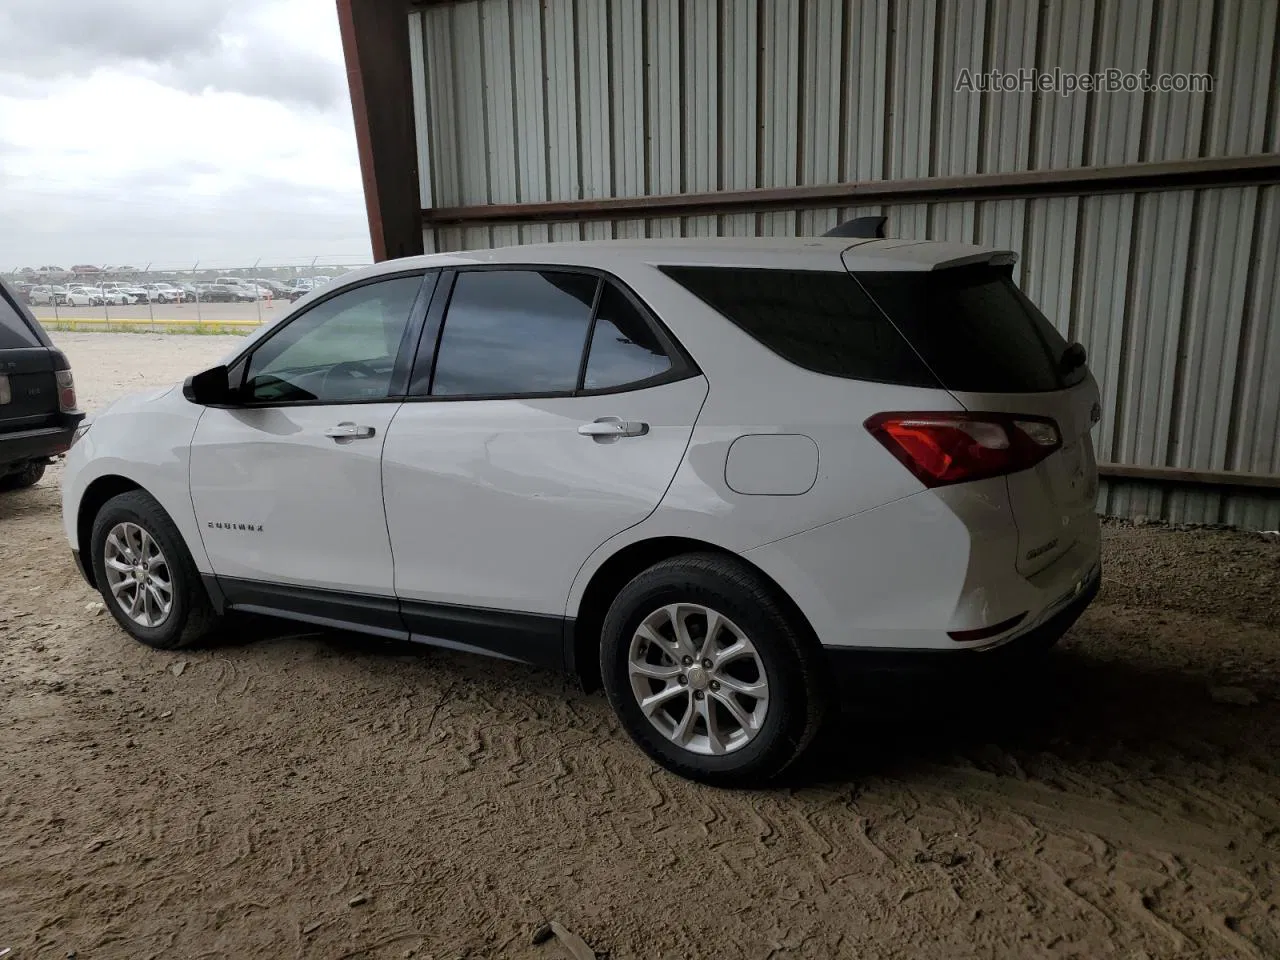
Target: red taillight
{"x": 66, "y": 391}
{"x": 943, "y": 448}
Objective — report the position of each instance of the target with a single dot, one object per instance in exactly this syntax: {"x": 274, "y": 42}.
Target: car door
{"x": 286, "y": 482}
{"x": 548, "y": 412}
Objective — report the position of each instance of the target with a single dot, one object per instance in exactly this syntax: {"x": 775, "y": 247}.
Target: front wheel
{"x": 709, "y": 671}
{"x": 146, "y": 576}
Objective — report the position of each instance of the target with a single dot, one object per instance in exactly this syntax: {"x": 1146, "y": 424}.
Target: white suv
{"x": 713, "y": 475}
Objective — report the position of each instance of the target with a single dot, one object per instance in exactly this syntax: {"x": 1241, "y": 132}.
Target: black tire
{"x": 791, "y": 658}
{"x": 192, "y": 616}
{"x": 28, "y": 475}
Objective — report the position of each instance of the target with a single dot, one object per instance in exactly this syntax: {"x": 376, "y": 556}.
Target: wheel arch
{"x": 92, "y": 501}
{"x": 619, "y": 570}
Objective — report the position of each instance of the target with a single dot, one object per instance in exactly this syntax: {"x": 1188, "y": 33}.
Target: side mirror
{"x": 209, "y": 388}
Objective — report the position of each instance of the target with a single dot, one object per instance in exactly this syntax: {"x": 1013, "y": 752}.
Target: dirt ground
{"x": 319, "y": 795}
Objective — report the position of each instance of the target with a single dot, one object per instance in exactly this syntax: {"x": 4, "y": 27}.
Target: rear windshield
{"x": 818, "y": 319}
{"x": 14, "y": 331}
{"x": 974, "y": 328}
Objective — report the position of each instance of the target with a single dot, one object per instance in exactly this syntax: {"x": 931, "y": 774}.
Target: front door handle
{"x": 608, "y": 429}
{"x": 349, "y": 431}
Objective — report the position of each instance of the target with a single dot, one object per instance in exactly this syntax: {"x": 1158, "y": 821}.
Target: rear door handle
{"x": 607, "y": 429}
{"x": 350, "y": 431}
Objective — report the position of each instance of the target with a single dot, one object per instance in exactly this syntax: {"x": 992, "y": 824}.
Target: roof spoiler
{"x": 864, "y": 228}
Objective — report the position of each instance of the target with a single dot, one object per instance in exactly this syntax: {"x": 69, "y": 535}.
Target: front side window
{"x": 510, "y": 332}
{"x": 343, "y": 349}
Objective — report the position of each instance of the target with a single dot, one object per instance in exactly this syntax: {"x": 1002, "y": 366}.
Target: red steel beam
{"x": 375, "y": 45}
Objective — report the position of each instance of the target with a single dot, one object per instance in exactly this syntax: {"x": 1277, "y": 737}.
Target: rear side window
{"x": 817, "y": 319}
{"x": 624, "y": 348}
{"x": 14, "y": 332}
{"x": 514, "y": 332}
{"x": 974, "y": 328}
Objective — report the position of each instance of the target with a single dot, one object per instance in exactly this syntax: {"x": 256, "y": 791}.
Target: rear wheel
{"x": 709, "y": 672}
{"x": 146, "y": 575}
{"x": 27, "y": 475}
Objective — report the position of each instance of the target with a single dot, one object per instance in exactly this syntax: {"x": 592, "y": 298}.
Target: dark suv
{"x": 38, "y": 413}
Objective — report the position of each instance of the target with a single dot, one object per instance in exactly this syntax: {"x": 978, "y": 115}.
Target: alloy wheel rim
{"x": 698, "y": 679}
{"x": 138, "y": 575}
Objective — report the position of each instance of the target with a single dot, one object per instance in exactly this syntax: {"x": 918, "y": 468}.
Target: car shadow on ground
{"x": 1074, "y": 705}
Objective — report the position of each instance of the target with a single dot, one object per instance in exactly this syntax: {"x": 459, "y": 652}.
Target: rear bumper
{"x": 37, "y": 444}
{"x": 848, "y": 665}
{"x": 912, "y": 573}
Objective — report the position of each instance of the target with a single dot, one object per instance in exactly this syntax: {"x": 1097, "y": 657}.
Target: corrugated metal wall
{"x": 1176, "y": 295}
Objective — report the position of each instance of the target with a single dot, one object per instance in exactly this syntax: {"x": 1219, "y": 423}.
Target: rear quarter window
{"x": 820, "y": 320}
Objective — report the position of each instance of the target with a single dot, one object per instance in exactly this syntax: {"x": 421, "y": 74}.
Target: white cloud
{"x": 241, "y": 150}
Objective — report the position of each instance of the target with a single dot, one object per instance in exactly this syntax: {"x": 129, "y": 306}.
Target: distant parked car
{"x": 82, "y": 295}
{"x": 78, "y": 296}
{"x": 273, "y": 288}
{"x": 164, "y": 292}
{"x": 59, "y": 293}
{"x": 135, "y": 294}
{"x": 189, "y": 291}
{"x": 258, "y": 291}
{"x": 114, "y": 297}
{"x": 40, "y": 296}
{"x": 227, "y": 293}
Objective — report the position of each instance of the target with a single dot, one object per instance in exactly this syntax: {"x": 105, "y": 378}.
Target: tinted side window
{"x": 817, "y": 319}
{"x": 513, "y": 332}
{"x": 974, "y": 327}
{"x": 342, "y": 349}
{"x": 624, "y": 348}
{"x": 14, "y": 331}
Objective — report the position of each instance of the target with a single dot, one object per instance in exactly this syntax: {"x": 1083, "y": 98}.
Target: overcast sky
{"x": 166, "y": 131}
